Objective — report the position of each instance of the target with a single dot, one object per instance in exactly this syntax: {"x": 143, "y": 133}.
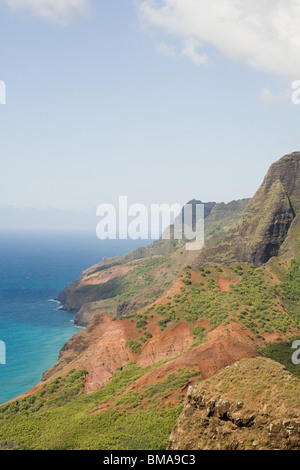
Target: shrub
{"x": 134, "y": 346}
{"x": 141, "y": 323}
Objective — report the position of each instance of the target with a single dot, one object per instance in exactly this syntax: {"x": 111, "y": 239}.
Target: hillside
{"x": 191, "y": 311}
{"x": 130, "y": 374}
{"x": 128, "y": 283}
{"x": 161, "y": 319}
{"x": 253, "y": 404}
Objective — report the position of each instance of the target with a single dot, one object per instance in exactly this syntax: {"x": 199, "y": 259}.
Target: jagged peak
{"x": 271, "y": 212}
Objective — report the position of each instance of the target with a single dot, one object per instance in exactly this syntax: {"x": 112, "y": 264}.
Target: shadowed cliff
{"x": 270, "y": 215}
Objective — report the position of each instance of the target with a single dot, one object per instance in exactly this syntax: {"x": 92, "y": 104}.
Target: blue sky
{"x": 142, "y": 98}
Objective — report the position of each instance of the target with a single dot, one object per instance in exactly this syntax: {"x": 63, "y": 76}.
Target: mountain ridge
{"x": 86, "y": 295}
{"x": 162, "y": 322}
{"x": 269, "y": 216}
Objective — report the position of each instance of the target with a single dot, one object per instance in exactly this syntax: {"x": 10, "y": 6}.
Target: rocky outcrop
{"x": 253, "y": 404}
{"x": 225, "y": 215}
{"x": 265, "y": 225}
{"x": 272, "y": 212}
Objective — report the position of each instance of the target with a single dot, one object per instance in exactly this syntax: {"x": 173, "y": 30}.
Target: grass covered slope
{"x": 198, "y": 302}
{"x": 223, "y": 294}
{"x": 253, "y": 404}
{"x": 60, "y": 416}
{"x": 221, "y": 310}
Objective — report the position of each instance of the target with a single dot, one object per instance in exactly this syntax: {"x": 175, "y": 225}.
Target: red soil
{"x": 225, "y": 345}
{"x": 224, "y": 284}
{"x": 97, "y": 278}
{"x": 101, "y": 348}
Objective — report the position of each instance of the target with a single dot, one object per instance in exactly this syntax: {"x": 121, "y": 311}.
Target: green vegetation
{"x": 253, "y": 299}
{"x": 141, "y": 323}
{"x": 153, "y": 394}
{"x": 62, "y": 417}
{"x": 187, "y": 279}
{"x": 147, "y": 335}
{"x": 198, "y": 334}
{"x": 291, "y": 290}
{"x": 135, "y": 346}
{"x": 59, "y": 392}
{"x": 129, "y": 284}
{"x": 121, "y": 416}
{"x": 282, "y": 353}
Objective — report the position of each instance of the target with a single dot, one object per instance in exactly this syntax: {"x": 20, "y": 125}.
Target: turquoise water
{"x": 33, "y": 270}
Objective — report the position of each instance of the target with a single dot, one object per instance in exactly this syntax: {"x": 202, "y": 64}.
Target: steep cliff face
{"x": 265, "y": 225}
{"x": 270, "y": 215}
{"x": 221, "y": 219}
{"x": 253, "y": 404}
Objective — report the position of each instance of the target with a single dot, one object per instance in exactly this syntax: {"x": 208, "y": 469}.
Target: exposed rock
{"x": 256, "y": 244}
{"x": 253, "y": 404}
{"x": 269, "y": 216}
{"x": 222, "y": 217}
{"x": 101, "y": 348}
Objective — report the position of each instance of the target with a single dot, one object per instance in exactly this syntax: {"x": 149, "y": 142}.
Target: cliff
{"x": 253, "y": 404}
{"x": 271, "y": 215}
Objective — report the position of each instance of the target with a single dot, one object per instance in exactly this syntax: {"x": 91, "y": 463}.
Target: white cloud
{"x": 165, "y": 49}
{"x": 269, "y": 97}
{"x": 263, "y": 33}
{"x": 61, "y": 11}
{"x": 190, "y": 50}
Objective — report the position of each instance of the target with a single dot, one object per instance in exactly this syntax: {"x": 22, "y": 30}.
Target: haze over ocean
{"x": 34, "y": 267}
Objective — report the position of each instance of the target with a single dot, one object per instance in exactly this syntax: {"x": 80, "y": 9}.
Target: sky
{"x": 161, "y": 101}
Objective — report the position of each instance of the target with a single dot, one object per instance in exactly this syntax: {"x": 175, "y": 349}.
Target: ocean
{"x": 34, "y": 268}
